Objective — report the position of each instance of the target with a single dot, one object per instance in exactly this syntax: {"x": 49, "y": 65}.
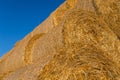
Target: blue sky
{"x": 19, "y": 17}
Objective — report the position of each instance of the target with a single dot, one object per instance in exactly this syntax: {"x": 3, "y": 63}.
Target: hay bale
{"x": 83, "y": 56}
{"x": 83, "y": 45}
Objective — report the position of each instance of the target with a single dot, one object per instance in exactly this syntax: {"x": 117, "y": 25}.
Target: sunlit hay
{"x": 86, "y": 28}
{"x": 91, "y": 50}
{"x": 82, "y": 57}
{"x": 110, "y": 11}
{"x": 59, "y": 14}
{"x": 92, "y": 30}
{"x": 72, "y": 3}
{"x": 83, "y": 65}
{"x": 28, "y": 48}
{"x": 107, "y": 6}
{"x": 17, "y": 43}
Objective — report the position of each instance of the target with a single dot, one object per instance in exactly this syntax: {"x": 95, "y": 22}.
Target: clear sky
{"x": 19, "y": 17}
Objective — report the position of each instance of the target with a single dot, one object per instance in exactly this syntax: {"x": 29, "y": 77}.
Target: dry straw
{"x": 91, "y": 47}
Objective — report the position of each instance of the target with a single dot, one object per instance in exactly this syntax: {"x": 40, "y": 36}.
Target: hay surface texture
{"x": 80, "y": 40}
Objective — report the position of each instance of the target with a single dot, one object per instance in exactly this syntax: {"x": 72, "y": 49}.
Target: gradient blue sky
{"x": 19, "y": 17}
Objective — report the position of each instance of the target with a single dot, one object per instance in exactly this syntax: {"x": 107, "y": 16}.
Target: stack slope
{"x": 80, "y": 40}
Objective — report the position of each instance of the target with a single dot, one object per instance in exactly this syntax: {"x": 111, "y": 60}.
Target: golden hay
{"x": 87, "y": 54}
{"x": 84, "y": 45}
{"x": 28, "y": 48}
{"x": 110, "y": 11}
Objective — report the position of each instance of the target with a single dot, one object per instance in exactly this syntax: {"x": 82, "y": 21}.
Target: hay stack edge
{"x": 80, "y": 40}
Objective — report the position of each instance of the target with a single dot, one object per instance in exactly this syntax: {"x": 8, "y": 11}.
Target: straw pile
{"x": 90, "y": 49}
{"x": 79, "y": 41}
{"x": 28, "y": 48}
